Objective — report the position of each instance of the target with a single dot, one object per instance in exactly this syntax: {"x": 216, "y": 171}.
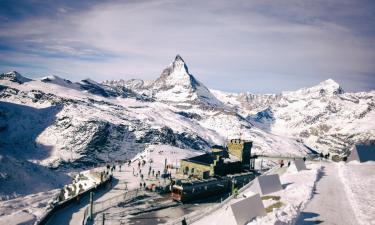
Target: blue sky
{"x": 257, "y": 46}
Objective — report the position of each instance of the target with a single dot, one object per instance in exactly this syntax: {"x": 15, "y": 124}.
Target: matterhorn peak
{"x": 176, "y": 73}
{"x": 178, "y": 58}
{"x": 177, "y": 84}
{"x": 179, "y": 65}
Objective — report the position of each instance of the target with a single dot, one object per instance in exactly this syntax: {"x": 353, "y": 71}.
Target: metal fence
{"x": 101, "y": 206}
{"x": 114, "y": 201}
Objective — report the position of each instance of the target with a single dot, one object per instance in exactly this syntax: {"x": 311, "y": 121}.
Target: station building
{"x": 221, "y": 160}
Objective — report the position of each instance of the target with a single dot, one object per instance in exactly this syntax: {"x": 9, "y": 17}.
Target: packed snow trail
{"x": 329, "y": 204}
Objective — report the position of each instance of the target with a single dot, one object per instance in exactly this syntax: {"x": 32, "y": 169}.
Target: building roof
{"x": 206, "y": 158}
{"x": 218, "y": 147}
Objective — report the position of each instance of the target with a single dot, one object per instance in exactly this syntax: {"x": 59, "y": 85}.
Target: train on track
{"x": 189, "y": 190}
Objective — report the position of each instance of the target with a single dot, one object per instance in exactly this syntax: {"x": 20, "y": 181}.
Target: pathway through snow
{"x": 329, "y": 204}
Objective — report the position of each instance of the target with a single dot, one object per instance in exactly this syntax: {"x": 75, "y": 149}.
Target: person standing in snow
{"x": 183, "y": 222}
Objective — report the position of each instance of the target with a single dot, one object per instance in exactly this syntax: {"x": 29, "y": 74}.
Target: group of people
{"x": 289, "y": 162}
{"x": 326, "y": 156}
{"x": 137, "y": 171}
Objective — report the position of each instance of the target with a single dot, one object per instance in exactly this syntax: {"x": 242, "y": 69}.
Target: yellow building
{"x": 201, "y": 166}
{"x": 219, "y": 161}
{"x": 240, "y": 149}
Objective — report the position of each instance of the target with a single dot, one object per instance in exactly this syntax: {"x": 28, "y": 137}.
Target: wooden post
{"x": 91, "y": 205}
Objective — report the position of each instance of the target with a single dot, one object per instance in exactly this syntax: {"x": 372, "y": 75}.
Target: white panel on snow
{"x": 266, "y": 184}
{"x": 297, "y": 165}
{"x": 362, "y": 153}
{"x": 247, "y": 209}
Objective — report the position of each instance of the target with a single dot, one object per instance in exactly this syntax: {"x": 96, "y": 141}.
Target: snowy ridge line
{"x": 193, "y": 217}
{"x": 49, "y": 213}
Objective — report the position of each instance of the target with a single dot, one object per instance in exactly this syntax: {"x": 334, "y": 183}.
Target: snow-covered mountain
{"x": 58, "y": 123}
{"x": 323, "y": 117}
{"x": 174, "y": 86}
{"x": 55, "y": 122}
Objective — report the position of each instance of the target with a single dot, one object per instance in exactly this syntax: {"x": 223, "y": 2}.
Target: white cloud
{"x": 238, "y": 40}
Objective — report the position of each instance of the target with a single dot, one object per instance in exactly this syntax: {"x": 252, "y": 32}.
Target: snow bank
{"x": 359, "y": 183}
{"x": 297, "y": 191}
{"x": 26, "y": 209}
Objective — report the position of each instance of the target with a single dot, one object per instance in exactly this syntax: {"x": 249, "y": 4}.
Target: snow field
{"x": 359, "y": 183}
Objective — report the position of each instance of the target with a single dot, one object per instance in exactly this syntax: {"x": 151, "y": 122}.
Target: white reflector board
{"x": 297, "y": 165}
{"x": 266, "y": 184}
{"x": 247, "y": 209}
